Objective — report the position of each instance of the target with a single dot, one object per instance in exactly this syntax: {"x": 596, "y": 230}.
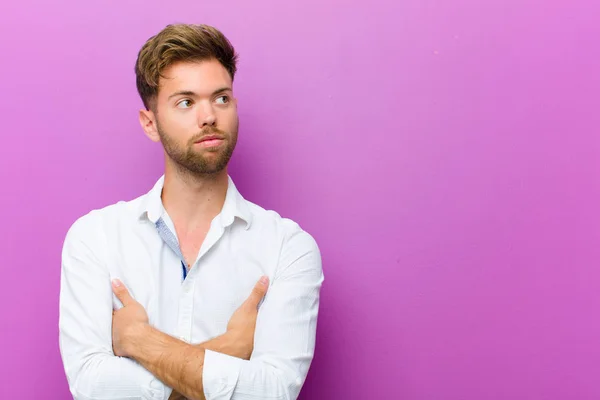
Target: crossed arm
{"x": 178, "y": 364}
{"x": 284, "y": 335}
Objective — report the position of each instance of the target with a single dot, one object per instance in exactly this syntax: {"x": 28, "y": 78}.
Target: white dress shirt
{"x": 131, "y": 241}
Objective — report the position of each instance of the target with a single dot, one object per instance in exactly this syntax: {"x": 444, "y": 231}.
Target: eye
{"x": 222, "y": 99}
{"x": 187, "y": 103}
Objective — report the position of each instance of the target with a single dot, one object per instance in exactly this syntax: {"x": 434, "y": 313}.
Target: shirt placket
{"x": 186, "y": 299}
{"x": 184, "y": 320}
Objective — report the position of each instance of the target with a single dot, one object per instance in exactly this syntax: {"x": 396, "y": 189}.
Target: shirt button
{"x": 154, "y": 384}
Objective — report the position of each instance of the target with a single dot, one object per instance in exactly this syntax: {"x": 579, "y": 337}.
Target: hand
{"x": 242, "y": 323}
{"x": 129, "y": 322}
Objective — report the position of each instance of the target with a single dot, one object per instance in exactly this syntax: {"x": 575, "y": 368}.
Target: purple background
{"x": 444, "y": 154}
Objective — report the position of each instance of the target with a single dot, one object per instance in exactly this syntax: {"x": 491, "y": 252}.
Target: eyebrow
{"x": 193, "y": 94}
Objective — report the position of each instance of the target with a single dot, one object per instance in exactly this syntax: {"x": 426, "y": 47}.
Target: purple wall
{"x": 445, "y": 155}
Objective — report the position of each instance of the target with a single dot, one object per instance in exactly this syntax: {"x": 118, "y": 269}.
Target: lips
{"x": 210, "y": 138}
{"x": 210, "y": 141}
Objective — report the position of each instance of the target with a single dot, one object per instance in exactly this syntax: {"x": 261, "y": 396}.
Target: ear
{"x": 148, "y": 123}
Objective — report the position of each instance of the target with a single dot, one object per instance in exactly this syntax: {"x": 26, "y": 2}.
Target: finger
{"x": 121, "y": 292}
{"x": 258, "y": 292}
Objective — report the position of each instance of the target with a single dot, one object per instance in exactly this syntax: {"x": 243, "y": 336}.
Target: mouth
{"x": 210, "y": 141}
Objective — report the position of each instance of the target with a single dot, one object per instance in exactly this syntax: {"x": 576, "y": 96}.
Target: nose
{"x": 206, "y": 116}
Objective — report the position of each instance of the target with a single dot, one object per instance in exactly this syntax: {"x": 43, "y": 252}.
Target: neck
{"x": 193, "y": 200}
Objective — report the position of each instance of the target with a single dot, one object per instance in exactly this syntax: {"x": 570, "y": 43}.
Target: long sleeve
{"x": 284, "y": 339}
{"x": 85, "y": 324}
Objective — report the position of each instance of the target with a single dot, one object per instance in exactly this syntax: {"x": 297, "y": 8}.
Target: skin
{"x": 194, "y": 101}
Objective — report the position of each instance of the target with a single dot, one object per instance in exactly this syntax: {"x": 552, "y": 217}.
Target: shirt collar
{"x": 235, "y": 206}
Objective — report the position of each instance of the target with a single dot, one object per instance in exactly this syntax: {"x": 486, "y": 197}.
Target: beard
{"x": 195, "y": 159}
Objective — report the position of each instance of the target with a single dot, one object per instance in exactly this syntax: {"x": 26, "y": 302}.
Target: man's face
{"x": 196, "y": 116}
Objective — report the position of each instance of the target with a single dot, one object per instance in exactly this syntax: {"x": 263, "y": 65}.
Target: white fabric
{"x": 243, "y": 243}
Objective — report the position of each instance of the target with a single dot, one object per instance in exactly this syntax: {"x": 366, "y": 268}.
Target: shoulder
{"x": 295, "y": 242}
{"x": 271, "y": 220}
{"x": 94, "y": 224}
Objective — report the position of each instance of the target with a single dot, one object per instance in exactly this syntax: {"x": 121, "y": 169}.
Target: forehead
{"x": 202, "y": 77}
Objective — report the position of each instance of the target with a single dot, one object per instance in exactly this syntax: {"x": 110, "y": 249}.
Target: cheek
{"x": 179, "y": 123}
{"x": 229, "y": 120}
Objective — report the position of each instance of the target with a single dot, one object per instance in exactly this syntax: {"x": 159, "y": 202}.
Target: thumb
{"x": 121, "y": 292}
{"x": 258, "y": 292}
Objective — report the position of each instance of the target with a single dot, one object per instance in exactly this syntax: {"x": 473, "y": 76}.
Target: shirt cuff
{"x": 158, "y": 390}
{"x": 220, "y": 375}
{"x": 166, "y": 392}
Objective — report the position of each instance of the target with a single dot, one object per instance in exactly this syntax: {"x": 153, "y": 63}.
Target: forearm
{"x": 224, "y": 344}
{"x": 229, "y": 344}
{"x": 177, "y": 364}
{"x": 180, "y": 365}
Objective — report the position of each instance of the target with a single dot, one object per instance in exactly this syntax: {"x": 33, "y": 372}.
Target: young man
{"x": 164, "y": 296}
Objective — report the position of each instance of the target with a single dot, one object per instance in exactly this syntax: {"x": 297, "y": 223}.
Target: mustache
{"x": 211, "y": 131}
